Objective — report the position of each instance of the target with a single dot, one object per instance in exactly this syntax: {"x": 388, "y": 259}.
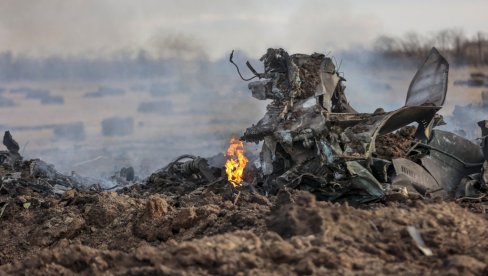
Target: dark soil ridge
{"x": 208, "y": 231}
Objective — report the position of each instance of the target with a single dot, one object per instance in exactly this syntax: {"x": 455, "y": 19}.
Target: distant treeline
{"x": 119, "y": 67}
{"x": 454, "y": 44}
{"x": 19, "y": 67}
{"x": 406, "y": 50}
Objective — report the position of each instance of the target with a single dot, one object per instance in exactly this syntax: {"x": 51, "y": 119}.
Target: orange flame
{"x": 236, "y": 162}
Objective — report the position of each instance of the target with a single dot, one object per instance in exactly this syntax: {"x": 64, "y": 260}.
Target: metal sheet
{"x": 429, "y": 85}
{"x": 451, "y": 158}
{"x": 446, "y": 171}
{"x": 417, "y": 176}
{"x": 362, "y": 180}
{"x": 406, "y": 115}
{"x": 457, "y": 146}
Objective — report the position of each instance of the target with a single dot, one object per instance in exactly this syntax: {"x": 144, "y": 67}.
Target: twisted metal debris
{"x": 312, "y": 139}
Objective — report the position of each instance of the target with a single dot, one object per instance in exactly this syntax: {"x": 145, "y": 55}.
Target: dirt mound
{"x": 397, "y": 144}
{"x": 212, "y": 232}
{"x": 109, "y": 220}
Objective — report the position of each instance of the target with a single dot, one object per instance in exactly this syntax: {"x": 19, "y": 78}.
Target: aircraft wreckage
{"x": 313, "y": 140}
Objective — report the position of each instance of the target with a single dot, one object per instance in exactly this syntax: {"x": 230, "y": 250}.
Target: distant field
{"x": 168, "y": 118}
{"x": 197, "y": 122}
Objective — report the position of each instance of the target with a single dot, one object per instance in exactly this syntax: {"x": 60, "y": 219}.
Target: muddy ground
{"x": 170, "y": 228}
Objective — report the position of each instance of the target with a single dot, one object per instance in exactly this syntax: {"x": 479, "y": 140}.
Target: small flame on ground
{"x": 236, "y": 162}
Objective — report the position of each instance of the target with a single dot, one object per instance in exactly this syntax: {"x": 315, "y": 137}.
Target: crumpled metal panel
{"x": 451, "y": 158}
{"x": 374, "y": 125}
{"x": 267, "y": 156}
{"x": 407, "y": 115}
{"x": 264, "y": 127}
{"x": 410, "y": 173}
{"x": 364, "y": 183}
{"x": 380, "y": 169}
{"x": 446, "y": 171}
{"x": 423, "y": 115}
{"x": 261, "y": 89}
{"x": 328, "y": 83}
{"x": 456, "y": 145}
{"x": 429, "y": 85}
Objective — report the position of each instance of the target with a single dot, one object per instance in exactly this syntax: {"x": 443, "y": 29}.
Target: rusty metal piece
{"x": 194, "y": 166}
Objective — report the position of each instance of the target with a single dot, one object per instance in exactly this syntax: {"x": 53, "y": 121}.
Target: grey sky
{"x": 103, "y": 27}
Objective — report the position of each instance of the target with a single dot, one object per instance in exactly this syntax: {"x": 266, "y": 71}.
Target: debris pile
{"x": 313, "y": 140}
{"x": 42, "y": 178}
{"x": 36, "y": 175}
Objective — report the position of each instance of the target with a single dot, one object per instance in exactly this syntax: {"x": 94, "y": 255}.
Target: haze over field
{"x": 140, "y": 82}
{"x": 174, "y": 28}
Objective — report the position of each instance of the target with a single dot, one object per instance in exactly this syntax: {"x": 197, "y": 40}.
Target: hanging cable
{"x": 239, "y": 72}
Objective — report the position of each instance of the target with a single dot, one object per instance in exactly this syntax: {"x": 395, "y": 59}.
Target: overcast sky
{"x": 103, "y": 27}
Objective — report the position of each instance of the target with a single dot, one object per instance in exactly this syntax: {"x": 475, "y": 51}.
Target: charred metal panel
{"x": 446, "y": 171}
{"x": 365, "y": 183}
{"x": 451, "y": 158}
{"x": 457, "y": 146}
{"x": 328, "y": 83}
{"x": 407, "y": 115}
{"x": 410, "y": 173}
{"x": 261, "y": 89}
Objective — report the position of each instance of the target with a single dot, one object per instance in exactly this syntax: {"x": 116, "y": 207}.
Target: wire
{"x": 237, "y": 67}
{"x": 466, "y": 164}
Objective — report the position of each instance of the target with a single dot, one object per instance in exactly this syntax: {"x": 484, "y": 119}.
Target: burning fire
{"x": 236, "y": 162}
